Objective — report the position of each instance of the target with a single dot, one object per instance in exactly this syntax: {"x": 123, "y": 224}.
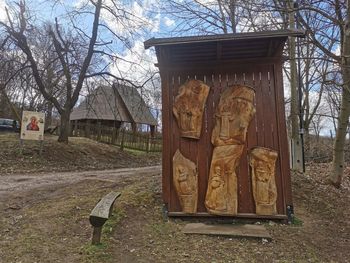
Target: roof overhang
{"x": 223, "y": 37}
{"x": 219, "y": 49}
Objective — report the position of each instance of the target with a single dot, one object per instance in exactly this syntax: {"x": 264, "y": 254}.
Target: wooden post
{"x": 99, "y": 131}
{"x": 134, "y": 130}
{"x": 41, "y": 147}
{"x": 152, "y": 130}
{"x": 113, "y": 135}
{"x": 75, "y": 132}
{"x": 122, "y": 143}
{"x": 21, "y": 146}
{"x": 148, "y": 143}
{"x": 87, "y": 129}
{"x": 96, "y": 235}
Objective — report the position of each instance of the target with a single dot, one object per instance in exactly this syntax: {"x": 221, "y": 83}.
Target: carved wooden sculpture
{"x": 185, "y": 179}
{"x": 262, "y": 162}
{"x": 221, "y": 197}
{"x": 233, "y": 115}
{"x": 189, "y": 106}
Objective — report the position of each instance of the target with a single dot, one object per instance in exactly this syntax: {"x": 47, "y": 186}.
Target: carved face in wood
{"x": 233, "y": 115}
{"x": 189, "y": 106}
{"x": 185, "y": 179}
{"x": 262, "y": 162}
{"x": 221, "y": 197}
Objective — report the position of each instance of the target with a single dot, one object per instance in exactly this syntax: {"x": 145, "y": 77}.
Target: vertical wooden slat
{"x": 166, "y": 167}
{"x": 260, "y": 108}
{"x": 286, "y": 194}
{"x": 202, "y": 148}
{"x": 246, "y": 196}
{"x": 267, "y": 109}
{"x": 176, "y": 139}
{"x": 274, "y": 136}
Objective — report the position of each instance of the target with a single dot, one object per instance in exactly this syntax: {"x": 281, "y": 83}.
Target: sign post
{"x": 32, "y": 127}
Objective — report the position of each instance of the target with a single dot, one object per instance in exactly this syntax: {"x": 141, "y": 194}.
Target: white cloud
{"x": 3, "y": 15}
{"x": 131, "y": 18}
{"x": 136, "y": 64}
{"x": 169, "y": 22}
{"x": 337, "y": 51}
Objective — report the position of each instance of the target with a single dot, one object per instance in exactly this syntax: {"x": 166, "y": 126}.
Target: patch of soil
{"x": 50, "y": 224}
{"x": 81, "y": 154}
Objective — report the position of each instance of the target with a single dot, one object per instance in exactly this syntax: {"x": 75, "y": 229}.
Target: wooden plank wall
{"x": 264, "y": 130}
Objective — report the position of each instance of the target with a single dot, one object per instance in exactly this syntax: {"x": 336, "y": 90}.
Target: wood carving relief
{"x": 233, "y": 115}
{"x": 221, "y": 197}
{"x": 185, "y": 179}
{"x": 262, "y": 162}
{"x": 189, "y": 106}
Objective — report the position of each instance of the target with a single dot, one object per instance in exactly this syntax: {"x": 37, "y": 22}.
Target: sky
{"x": 149, "y": 23}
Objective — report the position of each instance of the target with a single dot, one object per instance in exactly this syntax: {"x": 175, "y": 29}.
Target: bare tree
{"x": 69, "y": 51}
{"x": 332, "y": 38}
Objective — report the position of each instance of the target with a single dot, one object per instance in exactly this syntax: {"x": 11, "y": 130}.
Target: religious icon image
{"x": 189, "y": 107}
{"x": 221, "y": 197}
{"x": 185, "y": 180}
{"x": 33, "y": 124}
{"x": 233, "y": 116}
{"x": 263, "y": 162}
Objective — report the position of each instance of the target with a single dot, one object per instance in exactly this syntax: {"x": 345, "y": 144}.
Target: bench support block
{"x": 96, "y": 235}
{"x": 100, "y": 214}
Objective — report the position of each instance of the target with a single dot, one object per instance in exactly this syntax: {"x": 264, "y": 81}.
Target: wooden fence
{"x": 120, "y": 137}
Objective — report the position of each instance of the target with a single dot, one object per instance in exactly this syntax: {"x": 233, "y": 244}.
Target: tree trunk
{"x": 338, "y": 149}
{"x": 65, "y": 127}
{"x": 296, "y": 149}
{"x": 48, "y": 121}
{"x": 343, "y": 120}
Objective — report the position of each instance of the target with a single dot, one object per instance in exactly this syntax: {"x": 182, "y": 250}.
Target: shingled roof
{"x": 119, "y": 102}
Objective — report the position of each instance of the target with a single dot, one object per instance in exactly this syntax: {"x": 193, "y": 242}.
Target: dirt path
{"x": 14, "y": 184}
{"x": 44, "y": 218}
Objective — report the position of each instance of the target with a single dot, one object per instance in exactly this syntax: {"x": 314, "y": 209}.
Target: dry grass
{"x": 80, "y": 154}
{"x": 53, "y": 224}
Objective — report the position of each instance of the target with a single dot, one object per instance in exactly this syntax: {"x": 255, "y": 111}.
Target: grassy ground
{"x": 50, "y": 224}
{"x": 79, "y": 154}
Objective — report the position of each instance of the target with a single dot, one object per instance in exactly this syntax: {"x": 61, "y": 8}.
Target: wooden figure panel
{"x": 263, "y": 162}
{"x": 185, "y": 179}
{"x": 233, "y": 116}
{"x": 189, "y": 106}
{"x": 221, "y": 198}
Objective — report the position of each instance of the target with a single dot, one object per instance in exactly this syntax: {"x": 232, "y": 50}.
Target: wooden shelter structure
{"x": 222, "y": 61}
{"x": 113, "y": 106}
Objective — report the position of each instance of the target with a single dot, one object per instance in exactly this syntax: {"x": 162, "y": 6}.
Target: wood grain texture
{"x": 189, "y": 106}
{"x": 263, "y": 162}
{"x": 227, "y": 230}
{"x": 185, "y": 180}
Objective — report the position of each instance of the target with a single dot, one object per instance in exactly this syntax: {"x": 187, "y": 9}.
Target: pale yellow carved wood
{"x": 263, "y": 162}
{"x": 221, "y": 197}
{"x": 233, "y": 115}
{"x": 189, "y": 107}
{"x": 185, "y": 180}
{"x": 232, "y": 118}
